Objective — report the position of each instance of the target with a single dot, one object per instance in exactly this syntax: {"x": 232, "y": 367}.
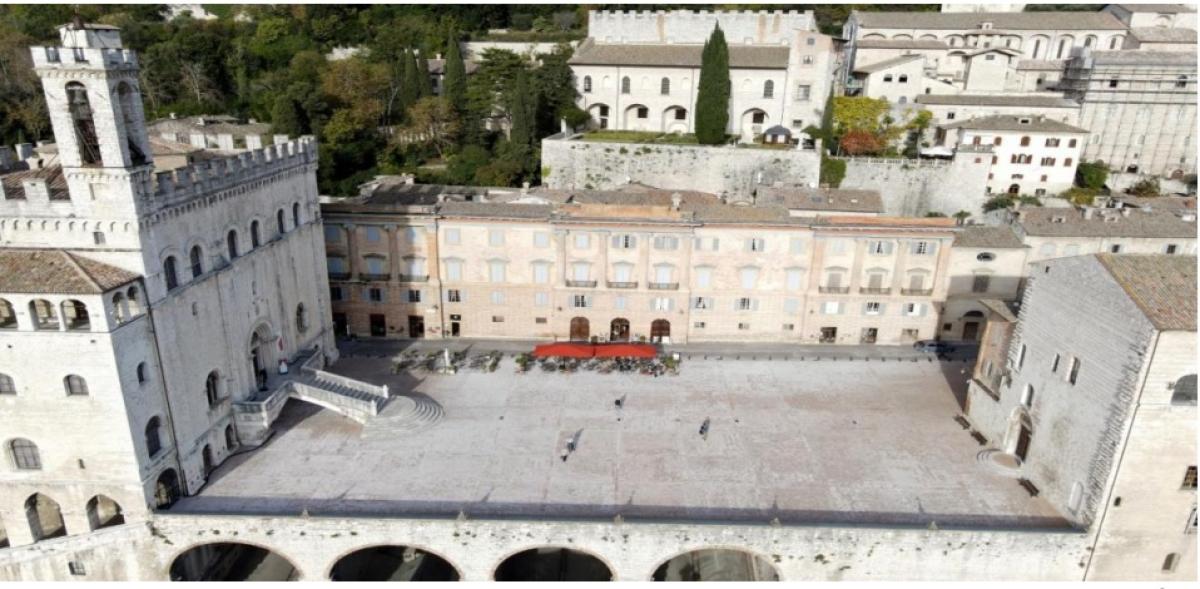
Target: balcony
{"x": 375, "y": 277}
{"x": 834, "y": 289}
{"x": 875, "y": 291}
{"x": 581, "y": 283}
{"x": 662, "y": 285}
{"x": 414, "y": 278}
{"x": 621, "y": 284}
{"x": 916, "y": 292}
{"x": 339, "y": 276}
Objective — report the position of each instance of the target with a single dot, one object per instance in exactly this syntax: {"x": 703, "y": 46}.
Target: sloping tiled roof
{"x": 989, "y": 236}
{"x": 1028, "y": 21}
{"x": 997, "y": 100}
{"x": 55, "y": 182}
{"x": 1162, "y": 286}
{"x": 900, "y": 44}
{"x": 752, "y": 57}
{"x": 1035, "y": 123}
{"x": 887, "y": 64}
{"x": 1058, "y": 222}
{"x": 822, "y": 199}
{"x": 1041, "y": 65}
{"x": 1187, "y": 58}
{"x": 29, "y": 271}
{"x": 1163, "y": 35}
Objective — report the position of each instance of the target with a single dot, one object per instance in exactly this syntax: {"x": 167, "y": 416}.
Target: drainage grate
{"x": 1029, "y": 486}
{"x": 962, "y": 421}
{"x": 979, "y": 438}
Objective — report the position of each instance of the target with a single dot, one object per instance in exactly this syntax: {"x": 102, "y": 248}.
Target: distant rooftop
{"x": 997, "y": 100}
{"x": 1029, "y": 21}
{"x": 901, "y": 44}
{"x": 1111, "y": 223}
{"x": 13, "y": 182}
{"x": 886, "y": 64}
{"x": 1163, "y": 35}
{"x": 1158, "y": 8}
{"x": 55, "y": 271}
{"x": 208, "y": 124}
{"x": 1181, "y": 58}
{"x": 1164, "y": 287}
{"x": 740, "y": 56}
{"x": 822, "y": 199}
{"x": 1032, "y": 122}
{"x": 988, "y": 236}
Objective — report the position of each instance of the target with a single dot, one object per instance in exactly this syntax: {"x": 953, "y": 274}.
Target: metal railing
{"x": 339, "y": 276}
{"x": 375, "y": 277}
{"x": 662, "y": 285}
{"x": 581, "y": 283}
{"x": 621, "y": 284}
{"x": 917, "y": 292}
{"x": 414, "y": 278}
{"x": 878, "y": 291}
{"x": 834, "y": 289}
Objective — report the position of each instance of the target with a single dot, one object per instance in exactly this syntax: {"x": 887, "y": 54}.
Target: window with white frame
{"x": 803, "y": 92}
{"x": 497, "y": 297}
{"x": 541, "y": 299}
{"x": 454, "y": 269}
{"x": 745, "y": 304}
{"x": 873, "y": 308}
{"x": 541, "y": 272}
{"x": 796, "y": 245}
{"x": 580, "y": 301}
{"x": 706, "y": 244}
{"x": 497, "y": 271}
{"x": 541, "y": 239}
{"x": 838, "y": 246}
{"x": 703, "y": 276}
{"x": 661, "y": 304}
{"x": 414, "y": 295}
{"x": 622, "y": 272}
{"x": 749, "y": 276}
{"x": 581, "y": 271}
{"x": 620, "y": 302}
{"x": 454, "y": 296}
{"x": 453, "y": 236}
{"x": 495, "y": 237}
{"x": 879, "y": 248}
{"x": 831, "y": 308}
{"x": 664, "y": 273}
{"x": 914, "y": 309}
{"x": 923, "y": 248}
{"x": 666, "y": 242}
{"x": 755, "y": 244}
{"x": 702, "y": 303}
{"x": 624, "y": 241}
{"x": 794, "y": 277}
{"x": 414, "y": 234}
{"x": 583, "y": 241}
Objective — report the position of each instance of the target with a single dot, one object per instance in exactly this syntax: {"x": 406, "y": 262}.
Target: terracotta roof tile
{"x": 1162, "y": 286}
{"x": 55, "y": 271}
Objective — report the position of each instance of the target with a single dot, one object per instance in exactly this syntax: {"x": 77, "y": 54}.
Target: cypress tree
{"x": 410, "y": 82}
{"x": 423, "y": 73}
{"x": 712, "y": 100}
{"x": 524, "y": 107}
{"x": 454, "y": 85}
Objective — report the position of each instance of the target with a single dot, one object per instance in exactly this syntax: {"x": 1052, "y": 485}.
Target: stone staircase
{"x": 404, "y": 415}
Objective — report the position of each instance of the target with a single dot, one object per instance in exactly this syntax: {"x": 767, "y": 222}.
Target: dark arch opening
{"x": 717, "y": 564}
{"x": 45, "y": 518}
{"x": 393, "y": 563}
{"x": 231, "y": 561}
{"x": 85, "y": 127}
{"x": 103, "y": 512}
{"x": 166, "y": 489}
{"x": 553, "y": 564}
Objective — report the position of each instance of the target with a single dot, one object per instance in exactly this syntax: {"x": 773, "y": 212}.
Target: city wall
{"x": 577, "y": 164}
{"x": 911, "y": 188}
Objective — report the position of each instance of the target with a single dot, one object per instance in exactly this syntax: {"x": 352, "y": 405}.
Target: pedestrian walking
{"x": 704, "y": 428}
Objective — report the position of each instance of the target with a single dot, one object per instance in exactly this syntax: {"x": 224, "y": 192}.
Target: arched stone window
{"x": 128, "y": 100}
{"x": 301, "y": 318}
{"x": 295, "y": 215}
{"x": 231, "y": 243}
{"x": 625, "y": 85}
{"x": 103, "y": 512}
{"x": 230, "y": 438}
{"x": 7, "y": 387}
{"x": 25, "y": 455}
{"x": 43, "y": 314}
{"x": 141, "y": 373}
{"x": 279, "y": 224}
{"x": 85, "y": 127}
{"x": 254, "y": 236}
{"x": 212, "y": 388}
{"x": 196, "y": 257}
{"x": 769, "y": 89}
{"x": 170, "y": 274}
{"x": 153, "y": 437}
{"x": 665, "y": 90}
{"x": 8, "y": 316}
{"x": 118, "y": 305}
{"x": 587, "y": 84}
{"x": 134, "y": 300}
{"x": 75, "y": 385}
{"x": 75, "y": 314}
{"x": 45, "y": 518}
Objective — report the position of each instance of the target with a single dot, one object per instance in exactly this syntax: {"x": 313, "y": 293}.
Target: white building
{"x": 1092, "y": 402}
{"x": 640, "y": 70}
{"x": 142, "y": 310}
{"x": 1030, "y": 154}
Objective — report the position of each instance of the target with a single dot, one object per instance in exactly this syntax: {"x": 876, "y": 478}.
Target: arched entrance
{"x": 619, "y": 330}
{"x": 599, "y": 114}
{"x": 1014, "y": 189}
{"x": 262, "y": 354}
{"x": 553, "y": 564}
{"x": 1019, "y": 435}
{"x": 675, "y": 120}
{"x": 207, "y": 458}
{"x": 972, "y": 321}
{"x": 231, "y": 561}
{"x": 754, "y": 121}
{"x": 166, "y": 489}
{"x": 392, "y": 563}
{"x": 660, "y": 331}
{"x": 103, "y": 512}
{"x": 717, "y": 564}
{"x": 45, "y": 518}
{"x": 637, "y": 118}
{"x": 580, "y": 329}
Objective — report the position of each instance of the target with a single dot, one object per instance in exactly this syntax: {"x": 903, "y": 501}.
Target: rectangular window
{"x": 581, "y": 301}
{"x": 873, "y": 308}
{"x": 1052, "y": 142}
{"x": 76, "y": 568}
{"x": 541, "y": 239}
{"x": 1054, "y": 364}
{"x": 495, "y": 237}
{"x": 1021, "y": 357}
{"x": 1189, "y": 478}
{"x": 1047, "y": 161}
{"x": 98, "y": 237}
{"x": 541, "y": 299}
{"x": 661, "y": 304}
{"x": 914, "y": 309}
{"x": 706, "y": 244}
{"x": 413, "y": 234}
{"x": 698, "y": 325}
{"x": 497, "y": 319}
{"x": 803, "y": 92}
{"x": 496, "y": 271}
{"x": 454, "y": 296}
{"x": 375, "y": 295}
{"x": 453, "y": 237}
{"x": 541, "y": 273}
{"x": 335, "y": 293}
{"x": 981, "y": 283}
{"x": 1171, "y": 249}
{"x": 794, "y": 277}
{"x": 539, "y": 320}
{"x": 880, "y": 248}
{"x": 414, "y": 296}
{"x": 372, "y": 234}
{"x": 743, "y": 326}
{"x": 922, "y": 248}
{"x": 583, "y": 241}
{"x": 1115, "y": 248}
{"x": 702, "y": 303}
{"x": 624, "y": 242}
{"x": 497, "y": 297}
{"x": 755, "y": 244}
{"x": 454, "y": 270}
{"x": 789, "y": 327}
{"x": 666, "y": 243}
{"x": 744, "y": 304}
{"x": 832, "y": 308}
{"x": 620, "y": 302}
{"x": 703, "y": 277}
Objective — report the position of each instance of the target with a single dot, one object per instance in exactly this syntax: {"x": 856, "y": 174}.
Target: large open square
{"x": 804, "y": 441}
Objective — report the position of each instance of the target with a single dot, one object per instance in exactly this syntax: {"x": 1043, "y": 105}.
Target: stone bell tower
{"x": 95, "y": 107}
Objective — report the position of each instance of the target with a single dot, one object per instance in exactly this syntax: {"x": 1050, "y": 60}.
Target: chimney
{"x": 1087, "y": 212}
{"x": 676, "y": 200}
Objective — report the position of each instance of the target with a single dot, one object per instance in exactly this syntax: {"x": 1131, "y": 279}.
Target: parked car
{"x": 933, "y": 346}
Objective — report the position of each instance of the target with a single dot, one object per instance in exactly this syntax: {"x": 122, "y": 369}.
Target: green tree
{"x": 410, "y": 82}
{"x": 554, "y": 84}
{"x": 712, "y": 99}
{"x": 1146, "y": 187}
{"x": 523, "y": 131}
{"x": 433, "y": 119}
{"x": 832, "y": 171}
{"x": 454, "y": 85}
{"x": 285, "y": 116}
{"x": 426, "y": 85}
{"x": 1091, "y": 175}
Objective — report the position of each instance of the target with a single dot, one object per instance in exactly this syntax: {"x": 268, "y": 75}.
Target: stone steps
{"x": 405, "y": 415}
